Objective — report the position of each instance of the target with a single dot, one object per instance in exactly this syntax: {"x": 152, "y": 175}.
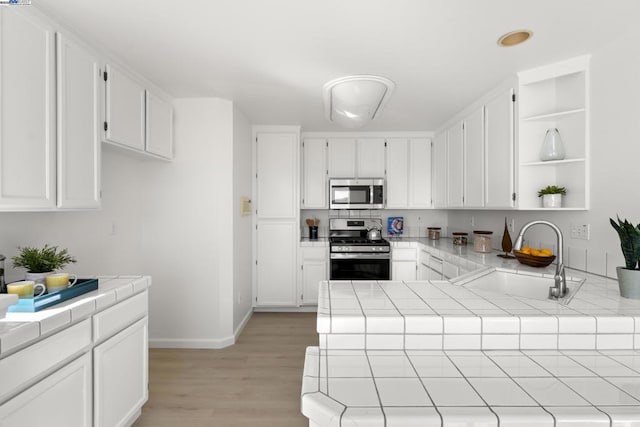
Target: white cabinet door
{"x": 79, "y": 82}
{"x": 27, "y": 111}
{"x": 371, "y": 158}
{"x": 454, "y": 166}
{"x": 277, "y": 175}
{"x": 474, "y": 159}
{"x": 499, "y": 158}
{"x": 450, "y": 270}
{"x": 314, "y": 185}
{"x": 276, "y": 263}
{"x": 124, "y": 110}
{"x": 121, "y": 376}
{"x": 423, "y": 271}
{"x": 440, "y": 170}
{"x": 403, "y": 270}
{"x": 419, "y": 173}
{"x": 159, "y": 131}
{"x": 341, "y": 160}
{"x": 63, "y": 399}
{"x": 313, "y": 272}
{"x": 397, "y": 173}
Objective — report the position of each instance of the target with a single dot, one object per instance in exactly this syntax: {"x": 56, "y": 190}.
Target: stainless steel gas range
{"x": 353, "y": 256}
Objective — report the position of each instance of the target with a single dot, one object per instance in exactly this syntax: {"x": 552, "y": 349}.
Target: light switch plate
{"x": 580, "y": 231}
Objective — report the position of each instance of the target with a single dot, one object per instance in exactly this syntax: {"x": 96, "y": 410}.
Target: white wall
{"x": 89, "y": 236}
{"x": 615, "y": 150}
{"x": 187, "y": 217}
{"x": 242, "y": 182}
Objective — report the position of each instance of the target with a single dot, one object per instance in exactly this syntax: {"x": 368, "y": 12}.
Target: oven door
{"x": 348, "y": 266}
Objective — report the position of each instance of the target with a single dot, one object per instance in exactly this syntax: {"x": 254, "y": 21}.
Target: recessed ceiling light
{"x": 514, "y": 38}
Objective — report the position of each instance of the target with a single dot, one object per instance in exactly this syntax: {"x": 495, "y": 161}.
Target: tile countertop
{"x": 434, "y": 353}
{"x": 18, "y": 330}
{"x": 471, "y": 388}
{"x": 436, "y": 315}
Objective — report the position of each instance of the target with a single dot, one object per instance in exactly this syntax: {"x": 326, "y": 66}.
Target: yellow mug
{"x": 25, "y": 288}
{"x": 59, "y": 281}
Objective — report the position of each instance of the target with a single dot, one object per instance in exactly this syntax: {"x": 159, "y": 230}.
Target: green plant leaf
{"x": 629, "y": 242}
{"x": 42, "y": 260}
{"x": 552, "y": 189}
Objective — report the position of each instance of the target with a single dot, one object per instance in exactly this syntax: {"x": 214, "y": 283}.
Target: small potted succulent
{"x": 629, "y": 275}
{"x": 552, "y": 196}
{"x": 41, "y": 262}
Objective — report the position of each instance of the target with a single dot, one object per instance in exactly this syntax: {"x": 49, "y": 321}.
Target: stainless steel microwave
{"x": 356, "y": 193}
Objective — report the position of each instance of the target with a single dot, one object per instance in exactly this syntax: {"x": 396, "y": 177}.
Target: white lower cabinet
{"x": 314, "y": 270}
{"x": 66, "y": 380}
{"x": 121, "y": 376}
{"x": 63, "y": 399}
{"x": 403, "y": 264}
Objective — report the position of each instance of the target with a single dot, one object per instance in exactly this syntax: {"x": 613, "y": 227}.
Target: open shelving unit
{"x": 554, "y": 96}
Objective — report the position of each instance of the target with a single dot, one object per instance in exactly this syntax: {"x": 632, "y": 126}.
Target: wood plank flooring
{"x": 255, "y": 382}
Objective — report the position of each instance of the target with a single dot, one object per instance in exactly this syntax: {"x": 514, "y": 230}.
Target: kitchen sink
{"x": 5, "y": 301}
{"x": 522, "y": 285}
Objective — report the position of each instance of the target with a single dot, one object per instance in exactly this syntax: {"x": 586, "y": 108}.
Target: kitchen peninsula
{"x": 443, "y": 352}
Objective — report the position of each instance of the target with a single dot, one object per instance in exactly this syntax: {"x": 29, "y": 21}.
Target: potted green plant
{"x": 41, "y": 262}
{"x": 629, "y": 275}
{"x": 552, "y": 196}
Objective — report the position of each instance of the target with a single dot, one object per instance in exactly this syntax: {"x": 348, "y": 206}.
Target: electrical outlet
{"x": 580, "y": 231}
{"x": 473, "y": 221}
{"x": 512, "y": 225}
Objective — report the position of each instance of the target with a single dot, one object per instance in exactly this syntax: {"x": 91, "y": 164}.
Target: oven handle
{"x": 360, "y": 256}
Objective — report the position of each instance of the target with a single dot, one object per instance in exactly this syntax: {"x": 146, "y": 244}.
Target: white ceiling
{"x": 271, "y": 57}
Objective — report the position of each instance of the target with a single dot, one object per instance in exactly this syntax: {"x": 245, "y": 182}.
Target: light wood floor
{"x": 255, "y": 382}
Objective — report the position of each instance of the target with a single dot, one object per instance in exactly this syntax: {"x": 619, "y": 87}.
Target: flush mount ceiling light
{"x": 514, "y": 38}
{"x": 353, "y": 101}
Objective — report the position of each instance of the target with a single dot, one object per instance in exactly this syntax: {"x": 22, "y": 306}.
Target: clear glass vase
{"x": 552, "y": 147}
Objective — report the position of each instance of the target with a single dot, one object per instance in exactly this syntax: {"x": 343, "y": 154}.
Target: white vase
{"x": 629, "y": 282}
{"x": 552, "y": 147}
{"x": 552, "y": 200}
{"x": 37, "y": 277}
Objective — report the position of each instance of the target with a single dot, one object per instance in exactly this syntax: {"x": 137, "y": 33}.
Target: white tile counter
{"x": 18, "y": 330}
{"x": 437, "y": 353}
{"x": 471, "y": 388}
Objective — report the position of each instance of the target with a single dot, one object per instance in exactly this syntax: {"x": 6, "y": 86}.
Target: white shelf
{"x": 553, "y": 162}
{"x": 554, "y": 115}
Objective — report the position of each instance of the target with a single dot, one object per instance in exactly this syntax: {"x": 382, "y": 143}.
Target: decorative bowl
{"x": 532, "y": 260}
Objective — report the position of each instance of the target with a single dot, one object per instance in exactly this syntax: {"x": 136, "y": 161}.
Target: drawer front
{"x": 450, "y": 270}
{"x": 435, "y": 264}
{"x": 403, "y": 254}
{"x": 314, "y": 253}
{"x": 114, "y": 319}
{"x": 23, "y": 368}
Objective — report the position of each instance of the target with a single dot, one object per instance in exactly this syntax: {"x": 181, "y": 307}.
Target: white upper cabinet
{"x": 440, "y": 170}
{"x": 79, "y": 82}
{"x": 124, "y": 110}
{"x": 159, "y": 131}
{"x": 356, "y": 158}
{"x": 341, "y": 157}
{"x": 474, "y": 159}
{"x": 420, "y": 173}
{"x": 455, "y": 136}
{"x": 499, "y": 146}
{"x": 408, "y": 173}
{"x": 371, "y": 158}
{"x": 554, "y": 97}
{"x": 27, "y": 111}
{"x": 276, "y": 159}
{"x": 314, "y": 179}
{"x": 397, "y": 176}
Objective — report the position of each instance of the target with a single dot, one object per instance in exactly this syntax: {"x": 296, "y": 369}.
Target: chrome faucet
{"x": 560, "y": 288}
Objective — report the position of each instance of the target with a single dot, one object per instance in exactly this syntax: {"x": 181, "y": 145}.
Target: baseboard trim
{"x": 301, "y": 309}
{"x": 191, "y": 343}
{"x": 242, "y": 324}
